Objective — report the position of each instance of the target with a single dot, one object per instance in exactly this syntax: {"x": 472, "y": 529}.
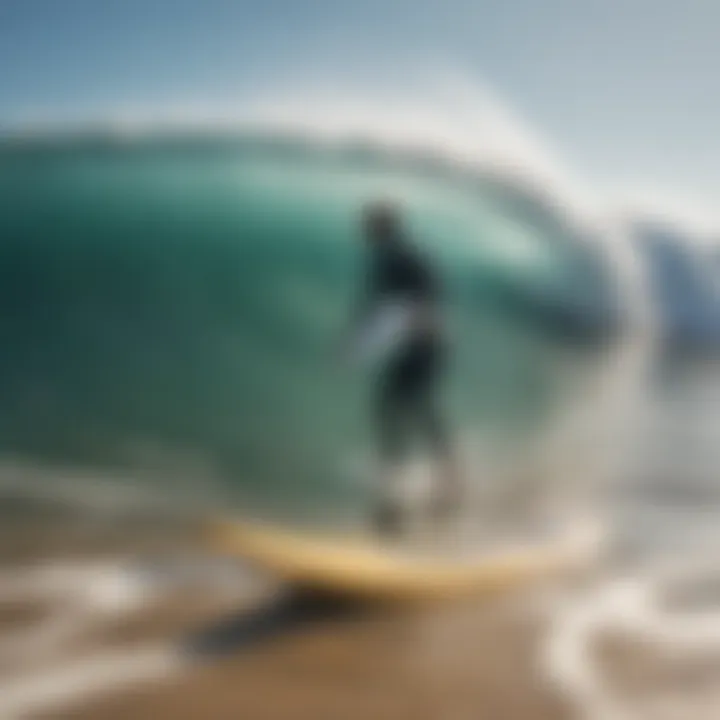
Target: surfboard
{"x": 362, "y": 567}
{"x": 384, "y": 331}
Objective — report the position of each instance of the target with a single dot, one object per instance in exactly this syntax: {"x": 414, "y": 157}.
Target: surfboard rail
{"x": 366, "y": 569}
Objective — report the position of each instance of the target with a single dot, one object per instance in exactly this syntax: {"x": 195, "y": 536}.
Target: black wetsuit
{"x": 406, "y": 400}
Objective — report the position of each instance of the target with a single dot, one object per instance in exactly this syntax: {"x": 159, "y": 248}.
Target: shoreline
{"x": 132, "y": 619}
{"x": 394, "y": 665}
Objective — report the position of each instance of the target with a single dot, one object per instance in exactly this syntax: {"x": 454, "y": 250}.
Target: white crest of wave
{"x": 427, "y": 109}
{"x": 430, "y": 109}
{"x": 456, "y": 118}
{"x": 445, "y": 113}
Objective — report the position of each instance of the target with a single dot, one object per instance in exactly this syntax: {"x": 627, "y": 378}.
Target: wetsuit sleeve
{"x": 397, "y": 274}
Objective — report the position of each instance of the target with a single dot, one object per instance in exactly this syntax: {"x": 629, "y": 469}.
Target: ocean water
{"x": 169, "y": 308}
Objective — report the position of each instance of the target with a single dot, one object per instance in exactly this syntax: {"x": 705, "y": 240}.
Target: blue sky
{"x": 628, "y": 91}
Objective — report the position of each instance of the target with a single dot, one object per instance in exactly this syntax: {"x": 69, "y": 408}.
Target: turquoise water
{"x": 186, "y": 294}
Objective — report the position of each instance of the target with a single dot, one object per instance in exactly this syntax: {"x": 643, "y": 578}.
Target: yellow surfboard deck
{"x": 364, "y": 568}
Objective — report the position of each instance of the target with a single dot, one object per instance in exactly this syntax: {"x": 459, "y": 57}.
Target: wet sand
{"x": 379, "y": 669}
{"x": 462, "y": 662}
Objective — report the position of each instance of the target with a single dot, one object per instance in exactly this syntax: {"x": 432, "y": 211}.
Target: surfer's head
{"x": 382, "y": 222}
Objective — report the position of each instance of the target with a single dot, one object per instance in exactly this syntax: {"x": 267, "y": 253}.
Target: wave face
{"x": 172, "y": 300}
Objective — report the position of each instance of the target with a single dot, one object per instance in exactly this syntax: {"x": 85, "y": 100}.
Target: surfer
{"x": 402, "y": 296}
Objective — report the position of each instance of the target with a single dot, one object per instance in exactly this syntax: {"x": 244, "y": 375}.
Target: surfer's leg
{"x": 389, "y": 425}
{"x": 436, "y": 433}
{"x": 392, "y": 437}
{"x": 447, "y": 490}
